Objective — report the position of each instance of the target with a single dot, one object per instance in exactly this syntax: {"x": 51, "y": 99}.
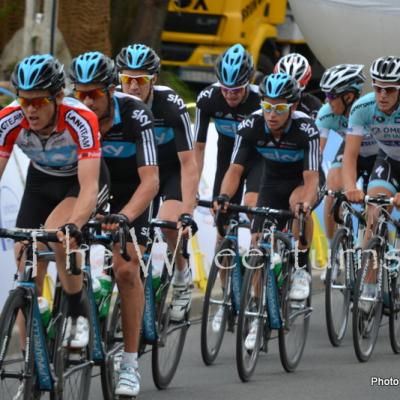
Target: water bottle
{"x": 156, "y": 286}
{"x": 277, "y": 263}
{"x": 44, "y": 310}
{"x": 106, "y": 289}
{"x": 96, "y": 286}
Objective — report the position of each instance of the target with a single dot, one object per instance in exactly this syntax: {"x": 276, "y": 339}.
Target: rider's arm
{"x": 3, "y": 164}
{"x": 178, "y": 118}
{"x": 202, "y": 121}
{"x": 240, "y": 156}
{"x": 350, "y": 156}
{"x": 322, "y": 121}
{"x": 87, "y": 139}
{"x": 311, "y": 180}
{"x": 189, "y": 183}
{"x": 144, "y": 194}
{"x": 147, "y": 165}
{"x": 311, "y": 168}
{"x": 88, "y": 177}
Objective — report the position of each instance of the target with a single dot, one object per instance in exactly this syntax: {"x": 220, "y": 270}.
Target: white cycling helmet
{"x": 297, "y": 66}
{"x": 343, "y": 78}
{"x": 386, "y": 69}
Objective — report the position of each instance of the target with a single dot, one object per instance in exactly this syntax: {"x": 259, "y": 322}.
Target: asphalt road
{"x": 324, "y": 372}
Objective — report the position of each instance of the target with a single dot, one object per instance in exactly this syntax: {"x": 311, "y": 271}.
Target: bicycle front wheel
{"x": 114, "y": 347}
{"x": 367, "y": 312}
{"x": 337, "y": 290}
{"x": 166, "y": 352}
{"x": 251, "y": 319}
{"x": 394, "y": 317}
{"x": 73, "y": 367}
{"x": 295, "y": 313}
{"x": 217, "y": 304}
{"x": 16, "y": 367}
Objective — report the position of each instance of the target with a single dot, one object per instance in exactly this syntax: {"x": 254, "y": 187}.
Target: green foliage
{"x": 7, "y": 10}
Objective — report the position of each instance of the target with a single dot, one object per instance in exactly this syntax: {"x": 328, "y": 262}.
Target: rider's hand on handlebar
{"x": 221, "y": 203}
{"x": 396, "y": 200}
{"x": 355, "y": 195}
{"x": 112, "y": 222}
{"x": 74, "y": 233}
{"x": 185, "y": 221}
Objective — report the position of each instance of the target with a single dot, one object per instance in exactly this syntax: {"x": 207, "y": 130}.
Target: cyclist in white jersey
{"x": 378, "y": 114}
{"x": 342, "y": 85}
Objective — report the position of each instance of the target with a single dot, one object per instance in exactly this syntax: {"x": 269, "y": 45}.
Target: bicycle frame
{"x": 25, "y": 280}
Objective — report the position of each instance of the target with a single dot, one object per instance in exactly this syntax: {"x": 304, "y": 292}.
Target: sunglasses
{"x": 93, "y": 94}
{"x": 140, "y": 79}
{"x": 278, "y": 108}
{"x": 233, "y": 90}
{"x": 331, "y": 96}
{"x": 387, "y": 89}
{"x": 36, "y": 102}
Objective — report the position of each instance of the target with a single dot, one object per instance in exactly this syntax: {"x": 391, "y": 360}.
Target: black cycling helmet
{"x": 138, "y": 56}
{"x": 39, "y": 72}
{"x": 280, "y": 86}
{"x": 93, "y": 67}
{"x": 234, "y": 67}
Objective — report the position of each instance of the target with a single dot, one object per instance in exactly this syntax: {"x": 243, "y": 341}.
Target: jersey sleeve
{"x": 84, "y": 128}
{"x": 242, "y": 151}
{"x": 359, "y": 117}
{"x": 178, "y": 118}
{"x": 202, "y": 118}
{"x": 141, "y": 126}
{"x": 10, "y": 125}
{"x": 322, "y": 122}
{"x": 311, "y": 151}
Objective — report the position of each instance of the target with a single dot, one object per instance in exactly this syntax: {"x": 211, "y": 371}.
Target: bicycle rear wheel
{"x": 337, "y": 291}
{"x": 17, "y": 378}
{"x": 251, "y": 318}
{"x": 367, "y": 313}
{"x": 166, "y": 352}
{"x": 114, "y": 347}
{"x": 394, "y": 317}
{"x": 217, "y": 305}
{"x": 295, "y": 314}
{"x": 73, "y": 367}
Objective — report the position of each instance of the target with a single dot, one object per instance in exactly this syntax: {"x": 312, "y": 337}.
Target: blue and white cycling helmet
{"x": 386, "y": 69}
{"x": 234, "y": 67}
{"x": 93, "y": 67}
{"x": 343, "y": 78}
{"x": 280, "y": 86}
{"x": 39, "y": 72}
{"x": 138, "y": 56}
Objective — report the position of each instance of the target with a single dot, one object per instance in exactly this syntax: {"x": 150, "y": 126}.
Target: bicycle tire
{"x": 337, "y": 312}
{"x": 366, "y": 324}
{"x": 163, "y": 375}
{"x": 246, "y": 359}
{"x": 10, "y": 341}
{"x": 394, "y": 316}
{"x": 294, "y": 331}
{"x": 70, "y": 364}
{"x": 215, "y": 293}
{"x": 114, "y": 346}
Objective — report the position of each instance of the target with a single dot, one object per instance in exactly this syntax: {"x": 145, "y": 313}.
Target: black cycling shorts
{"x": 364, "y": 164}
{"x": 43, "y": 192}
{"x": 120, "y": 197}
{"x": 385, "y": 173}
